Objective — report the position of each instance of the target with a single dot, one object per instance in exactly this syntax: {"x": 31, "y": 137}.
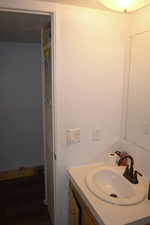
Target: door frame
{"x": 35, "y": 8}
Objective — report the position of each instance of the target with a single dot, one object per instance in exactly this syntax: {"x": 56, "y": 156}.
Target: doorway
{"x": 26, "y": 150}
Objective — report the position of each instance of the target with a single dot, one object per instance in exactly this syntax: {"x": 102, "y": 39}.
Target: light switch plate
{"x": 96, "y": 135}
{"x": 73, "y": 136}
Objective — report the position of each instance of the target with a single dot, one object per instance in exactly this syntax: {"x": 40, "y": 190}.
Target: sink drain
{"x": 113, "y": 195}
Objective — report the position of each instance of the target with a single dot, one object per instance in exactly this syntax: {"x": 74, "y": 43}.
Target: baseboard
{"x": 21, "y": 172}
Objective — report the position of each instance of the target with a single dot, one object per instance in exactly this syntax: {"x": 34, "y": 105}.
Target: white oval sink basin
{"x": 108, "y": 184}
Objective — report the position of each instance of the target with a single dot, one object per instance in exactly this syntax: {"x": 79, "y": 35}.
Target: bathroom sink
{"x": 108, "y": 184}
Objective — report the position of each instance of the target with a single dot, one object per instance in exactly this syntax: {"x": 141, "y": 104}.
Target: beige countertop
{"x": 106, "y": 213}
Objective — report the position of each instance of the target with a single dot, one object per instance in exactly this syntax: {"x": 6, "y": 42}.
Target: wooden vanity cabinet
{"x": 79, "y": 214}
{"x": 88, "y": 219}
{"x": 73, "y": 209}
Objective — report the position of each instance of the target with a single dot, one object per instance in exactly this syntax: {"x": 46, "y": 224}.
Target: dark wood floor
{"x": 21, "y": 202}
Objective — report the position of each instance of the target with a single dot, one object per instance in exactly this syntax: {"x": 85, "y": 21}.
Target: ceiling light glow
{"x": 125, "y": 5}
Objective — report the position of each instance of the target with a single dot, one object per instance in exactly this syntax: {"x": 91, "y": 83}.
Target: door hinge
{"x": 55, "y": 156}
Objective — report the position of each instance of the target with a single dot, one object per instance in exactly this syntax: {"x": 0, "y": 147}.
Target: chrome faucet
{"x": 129, "y": 172}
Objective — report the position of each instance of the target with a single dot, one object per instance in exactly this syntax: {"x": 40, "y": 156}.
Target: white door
{"x": 48, "y": 126}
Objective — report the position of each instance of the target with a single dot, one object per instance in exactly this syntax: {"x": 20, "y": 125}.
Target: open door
{"x": 48, "y": 119}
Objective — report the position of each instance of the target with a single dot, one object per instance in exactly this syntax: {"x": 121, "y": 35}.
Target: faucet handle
{"x": 135, "y": 176}
{"x": 136, "y": 172}
{"x": 118, "y": 153}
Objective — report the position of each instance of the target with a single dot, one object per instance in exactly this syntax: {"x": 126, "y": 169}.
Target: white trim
{"x": 43, "y": 115}
{"x": 27, "y": 6}
{"x": 25, "y": 11}
{"x": 127, "y": 83}
{"x": 53, "y": 49}
{"x": 125, "y": 88}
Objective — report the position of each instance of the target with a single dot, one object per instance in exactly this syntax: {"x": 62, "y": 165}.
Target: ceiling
{"x": 96, "y": 4}
{"x": 21, "y": 27}
{"x": 83, "y": 3}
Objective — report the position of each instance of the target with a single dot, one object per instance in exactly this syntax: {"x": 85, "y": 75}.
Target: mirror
{"x": 138, "y": 102}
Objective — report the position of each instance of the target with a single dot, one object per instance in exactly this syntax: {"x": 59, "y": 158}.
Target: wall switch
{"x": 96, "y": 135}
{"x": 73, "y": 136}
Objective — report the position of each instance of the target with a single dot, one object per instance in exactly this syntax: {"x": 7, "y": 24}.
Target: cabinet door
{"x": 79, "y": 213}
{"x": 88, "y": 218}
{"x": 73, "y": 210}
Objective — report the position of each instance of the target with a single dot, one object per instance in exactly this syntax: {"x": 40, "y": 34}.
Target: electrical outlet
{"x": 73, "y": 136}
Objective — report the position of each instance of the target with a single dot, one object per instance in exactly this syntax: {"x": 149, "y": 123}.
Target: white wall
{"x": 140, "y": 21}
{"x": 20, "y": 105}
{"x": 89, "y": 81}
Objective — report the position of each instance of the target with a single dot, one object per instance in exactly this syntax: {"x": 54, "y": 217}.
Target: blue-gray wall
{"x": 20, "y": 105}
